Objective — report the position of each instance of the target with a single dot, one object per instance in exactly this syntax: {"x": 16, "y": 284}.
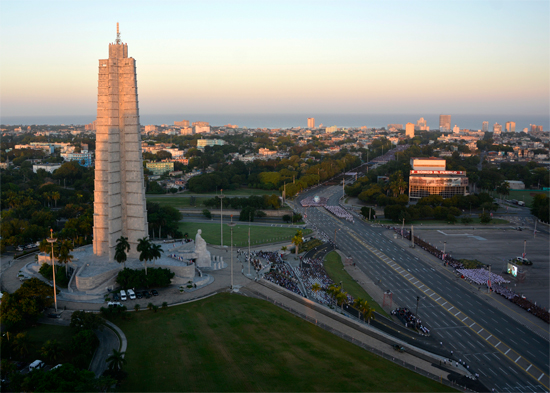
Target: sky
{"x": 413, "y": 57}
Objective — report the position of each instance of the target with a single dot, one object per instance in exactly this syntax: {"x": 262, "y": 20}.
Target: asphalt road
{"x": 506, "y": 354}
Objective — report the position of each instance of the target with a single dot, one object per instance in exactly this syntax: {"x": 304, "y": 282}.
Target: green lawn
{"x": 258, "y": 234}
{"x": 179, "y": 202}
{"x": 525, "y": 196}
{"x": 243, "y": 192}
{"x": 335, "y": 269}
{"x": 232, "y": 343}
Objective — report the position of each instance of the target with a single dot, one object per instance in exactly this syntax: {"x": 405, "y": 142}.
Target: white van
{"x": 123, "y": 295}
{"x": 37, "y": 364}
{"x": 131, "y": 294}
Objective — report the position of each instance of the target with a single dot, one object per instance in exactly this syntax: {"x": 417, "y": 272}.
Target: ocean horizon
{"x": 289, "y": 120}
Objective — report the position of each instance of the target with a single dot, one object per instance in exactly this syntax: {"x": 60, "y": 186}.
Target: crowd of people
{"x": 280, "y": 273}
{"x": 312, "y": 272}
{"x": 409, "y": 319}
{"x": 313, "y": 201}
{"x": 340, "y": 212}
{"x": 480, "y": 277}
{"x": 255, "y": 262}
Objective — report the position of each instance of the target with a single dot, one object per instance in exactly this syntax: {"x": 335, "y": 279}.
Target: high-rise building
{"x": 456, "y": 129}
{"x": 421, "y": 125}
{"x": 444, "y": 122}
{"x": 485, "y": 126}
{"x": 497, "y": 128}
{"x": 119, "y": 195}
{"x": 510, "y": 126}
{"x": 183, "y": 123}
{"x": 409, "y": 130}
{"x": 310, "y": 122}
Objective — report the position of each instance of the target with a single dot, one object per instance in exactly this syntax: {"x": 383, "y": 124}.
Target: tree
{"x": 51, "y": 350}
{"x": 503, "y": 188}
{"x": 55, "y": 196}
{"x": 298, "y": 240}
{"x": 207, "y": 213}
{"x": 21, "y": 344}
{"x": 121, "y": 248}
{"x": 116, "y": 360}
{"x": 64, "y": 255}
{"x": 316, "y": 287}
{"x": 484, "y": 218}
{"x": 137, "y": 307}
{"x": 156, "y": 250}
{"x": 82, "y": 320}
{"x": 367, "y": 212}
{"x": 333, "y": 290}
{"x": 287, "y": 218}
{"x": 144, "y": 248}
{"x": 341, "y": 298}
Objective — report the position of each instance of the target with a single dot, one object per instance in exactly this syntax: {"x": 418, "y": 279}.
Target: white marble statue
{"x": 202, "y": 255}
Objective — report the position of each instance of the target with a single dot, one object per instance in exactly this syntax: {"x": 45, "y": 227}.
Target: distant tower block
{"x": 119, "y": 205}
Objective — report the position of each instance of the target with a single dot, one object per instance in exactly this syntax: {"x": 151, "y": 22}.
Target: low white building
{"x": 47, "y": 167}
{"x": 515, "y": 184}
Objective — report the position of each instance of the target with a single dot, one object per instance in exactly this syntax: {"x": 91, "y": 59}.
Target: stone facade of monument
{"x": 119, "y": 196}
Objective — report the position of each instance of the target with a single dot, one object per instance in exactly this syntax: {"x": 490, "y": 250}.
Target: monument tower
{"x": 119, "y": 196}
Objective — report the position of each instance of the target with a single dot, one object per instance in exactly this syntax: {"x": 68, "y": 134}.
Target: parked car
{"x": 123, "y": 295}
{"x": 114, "y": 304}
{"x": 146, "y": 294}
{"x": 139, "y": 295}
{"x": 154, "y": 292}
{"x": 116, "y": 298}
{"x": 131, "y": 294}
{"x": 37, "y": 364}
{"x": 398, "y": 348}
{"x": 54, "y": 315}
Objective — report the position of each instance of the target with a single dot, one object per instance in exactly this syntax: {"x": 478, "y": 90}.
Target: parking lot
{"x": 495, "y": 247}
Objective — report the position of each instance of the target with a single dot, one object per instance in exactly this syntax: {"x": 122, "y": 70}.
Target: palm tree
{"x": 333, "y": 290}
{"x": 342, "y": 298}
{"x": 316, "y": 287}
{"x": 368, "y": 313}
{"x": 297, "y": 240}
{"x": 55, "y": 196}
{"x": 144, "y": 248}
{"x": 137, "y": 307}
{"x": 156, "y": 250}
{"x": 64, "y": 255}
{"x": 121, "y": 248}
{"x": 116, "y": 360}
{"x": 51, "y": 350}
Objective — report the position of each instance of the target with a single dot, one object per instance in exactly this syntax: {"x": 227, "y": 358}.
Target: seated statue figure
{"x": 202, "y": 255}
{"x": 200, "y": 243}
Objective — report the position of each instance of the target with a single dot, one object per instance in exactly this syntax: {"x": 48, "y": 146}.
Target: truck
{"x": 521, "y": 203}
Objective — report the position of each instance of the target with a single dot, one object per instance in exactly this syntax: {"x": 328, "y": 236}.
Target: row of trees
{"x": 540, "y": 207}
{"x": 255, "y": 201}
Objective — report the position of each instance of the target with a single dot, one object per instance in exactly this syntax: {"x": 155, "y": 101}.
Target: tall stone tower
{"x": 119, "y": 196}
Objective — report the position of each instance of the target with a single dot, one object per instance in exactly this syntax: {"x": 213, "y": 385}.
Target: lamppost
{"x": 336, "y": 230}
{"x": 524, "y": 248}
{"x": 249, "y": 219}
{"x": 221, "y": 196}
{"x": 417, "y": 301}
{"x": 231, "y": 225}
{"x": 52, "y": 240}
{"x": 444, "y": 247}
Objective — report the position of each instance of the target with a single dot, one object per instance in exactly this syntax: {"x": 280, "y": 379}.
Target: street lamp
{"x": 444, "y": 247}
{"x": 52, "y": 240}
{"x": 221, "y": 196}
{"x": 231, "y": 225}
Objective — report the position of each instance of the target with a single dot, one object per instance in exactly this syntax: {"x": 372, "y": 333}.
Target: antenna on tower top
{"x": 117, "y": 34}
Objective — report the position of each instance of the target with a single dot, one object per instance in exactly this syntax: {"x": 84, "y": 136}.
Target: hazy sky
{"x": 281, "y": 57}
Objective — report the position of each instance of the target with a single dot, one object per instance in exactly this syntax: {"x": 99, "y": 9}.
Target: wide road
{"x": 507, "y": 355}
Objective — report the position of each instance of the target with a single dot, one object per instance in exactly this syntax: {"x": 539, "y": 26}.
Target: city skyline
{"x": 285, "y": 57}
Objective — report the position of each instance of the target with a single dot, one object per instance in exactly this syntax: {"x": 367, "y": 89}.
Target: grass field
{"x": 179, "y": 202}
{"x": 525, "y": 196}
{"x": 335, "y": 269}
{"x": 243, "y": 192}
{"x": 232, "y": 343}
{"x": 258, "y": 234}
